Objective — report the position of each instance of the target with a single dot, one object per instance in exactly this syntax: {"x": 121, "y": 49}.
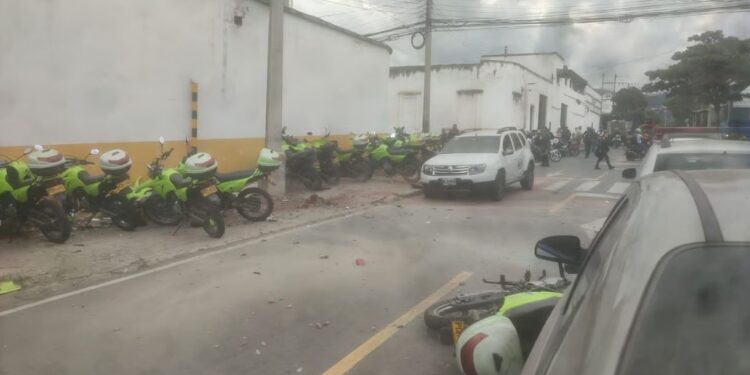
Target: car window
{"x": 507, "y": 144}
{"x": 689, "y": 162}
{"x": 516, "y": 141}
{"x": 598, "y": 251}
{"x": 695, "y": 315}
{"x": 473, "y": 145}
{"x": 522, "y": 137}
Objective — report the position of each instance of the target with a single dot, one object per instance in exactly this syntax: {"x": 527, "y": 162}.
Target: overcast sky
{"x": 625, "y": 49}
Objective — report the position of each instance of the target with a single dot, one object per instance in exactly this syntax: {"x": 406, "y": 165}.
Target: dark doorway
{"x": 542, "y": 111}
{"x": 563, "y": 115}
{"x": 531, "y": 117}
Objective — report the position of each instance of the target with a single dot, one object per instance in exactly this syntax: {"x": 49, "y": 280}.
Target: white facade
{"x": 499, "y": 91}
{"x": 87, "y": 71}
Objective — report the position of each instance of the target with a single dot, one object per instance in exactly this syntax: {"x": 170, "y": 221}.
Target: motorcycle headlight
{"x": 477, "y": 169}
{"x": 428, "y": 170}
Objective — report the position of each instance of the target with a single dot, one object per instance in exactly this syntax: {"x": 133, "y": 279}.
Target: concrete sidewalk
{"x": 95, "y": 255}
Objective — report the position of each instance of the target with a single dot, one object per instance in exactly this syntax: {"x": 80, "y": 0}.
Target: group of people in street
{"x": 593, "y": 142}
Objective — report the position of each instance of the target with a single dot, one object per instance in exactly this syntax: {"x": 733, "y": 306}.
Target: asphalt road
{"x": 297, "y": 302}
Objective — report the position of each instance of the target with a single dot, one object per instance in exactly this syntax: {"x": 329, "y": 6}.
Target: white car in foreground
{"x": 693, "y": 154}
{"x": 483, "y": 160}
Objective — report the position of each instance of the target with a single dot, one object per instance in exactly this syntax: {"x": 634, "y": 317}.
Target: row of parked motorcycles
{"x": 321, "y": 162}
{"x": 50, "y": 189}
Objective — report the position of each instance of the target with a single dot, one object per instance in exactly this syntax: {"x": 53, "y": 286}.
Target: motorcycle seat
{"x": 234, "y": 175}
{"x": 399, "y": 151}
{"x": 179, "y": 181}
{"x": 88, "y": 179}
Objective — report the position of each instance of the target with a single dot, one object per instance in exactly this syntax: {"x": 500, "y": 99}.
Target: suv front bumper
{"x": 457, "y": 184}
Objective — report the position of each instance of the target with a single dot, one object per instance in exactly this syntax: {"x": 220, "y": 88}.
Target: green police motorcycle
{"x": 109, "y": 194}
{"x": 239, "y": 190}
{"x": 302, "y": 162}
{"x": 328, "y": 158}
{"x": 34, "y": 193}
{"x": 176, "y": 198}
{"x": 390, "y": 155}
{"x": 355, "y": 162}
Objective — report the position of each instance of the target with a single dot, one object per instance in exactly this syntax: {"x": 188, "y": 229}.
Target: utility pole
{"x": 274, "y": 86}
{"x": 601, "y": 101}
{"x": 614, "y": 87}
{"x": 427, "y": 68}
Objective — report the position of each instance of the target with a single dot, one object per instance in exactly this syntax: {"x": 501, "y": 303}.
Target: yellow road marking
{"x": 562, "y": 204}
{"x": 367, "y": 347}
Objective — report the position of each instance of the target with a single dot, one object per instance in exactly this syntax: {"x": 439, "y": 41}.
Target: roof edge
{"x": 331, "y": 26}
{"x": 525, "y": 54}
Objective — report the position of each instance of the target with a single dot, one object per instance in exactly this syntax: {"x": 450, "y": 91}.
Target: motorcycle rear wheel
{"x": 127, "y": 219}
{"x": 254, "y": 204}
{"x": 160, "y": 211}
{"x": 213, "y": 224}
{"x": 360, "y": 170}
{"x": 410, "y": 170}
{"x": 57, "y": 227}
{"x": 555, "y": 155}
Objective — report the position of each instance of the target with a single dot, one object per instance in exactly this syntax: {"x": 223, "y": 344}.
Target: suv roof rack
{"x": 506, "y": 129}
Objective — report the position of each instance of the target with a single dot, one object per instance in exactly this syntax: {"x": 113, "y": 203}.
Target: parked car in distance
{"x": 660, "y": 290}
{"x": 480, "y": 161}
{"x": 693, "y": 153}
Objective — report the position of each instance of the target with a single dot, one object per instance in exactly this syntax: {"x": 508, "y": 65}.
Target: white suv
{"x": 483, "y": 160}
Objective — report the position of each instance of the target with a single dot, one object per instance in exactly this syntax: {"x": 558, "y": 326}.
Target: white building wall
{"x": 508, "y": 90}
{"x": 85, "y": 71}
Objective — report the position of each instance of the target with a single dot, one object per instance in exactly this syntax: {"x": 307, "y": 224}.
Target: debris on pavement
{"x": 256, "y": 272}
{"x": 262, "y": 343}
{"x": 289, "y": 306}
{"x": 295, "y": 243}
{"x": 323, "y": 257}
{"x": 299, "y": 369}
{"x": 319, "y": 325}
{"x": 8, "y": 287}
{"x": 359, "y": 262}
{"x": 257, "y": 351}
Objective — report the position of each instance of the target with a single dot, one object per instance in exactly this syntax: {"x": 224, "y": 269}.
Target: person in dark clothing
{"x": 565, "y": 134}
{"x": 545, "y": 137}
{"x": 589, "y": 137}
{"x": 602, "y": 151}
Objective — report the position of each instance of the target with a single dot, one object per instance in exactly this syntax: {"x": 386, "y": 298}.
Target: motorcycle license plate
{"x": 206, "y": 191}
{"x": 120, "y": 187}
{"x": 450, "y": 182}
{"x": 457, "y": 327}
{"x": 54, "y": 190}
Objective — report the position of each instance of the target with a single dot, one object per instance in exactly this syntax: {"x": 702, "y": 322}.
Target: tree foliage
{"x": 713, "y": 71}
{"x": 630, "y": 105}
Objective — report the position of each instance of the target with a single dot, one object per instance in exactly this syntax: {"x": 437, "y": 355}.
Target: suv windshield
{"x": 701, "y": 161}
{"x": 473, "y": 145}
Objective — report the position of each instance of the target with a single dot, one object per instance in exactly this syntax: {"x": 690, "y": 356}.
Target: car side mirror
{"x": 629, "y": 173}
{"x": 565, "y": 250}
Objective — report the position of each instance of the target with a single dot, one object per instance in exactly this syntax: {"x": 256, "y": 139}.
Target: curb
{"x": 409, "y": 193}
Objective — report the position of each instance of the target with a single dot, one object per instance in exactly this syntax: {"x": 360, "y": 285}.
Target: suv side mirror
{"x": 629, "y": 173}
{"x": 561, "y": 249}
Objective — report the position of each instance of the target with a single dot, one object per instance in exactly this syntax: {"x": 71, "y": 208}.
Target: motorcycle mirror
{"x": 393, "y": 135}
{"x": 161, "y": 140}
{"x": 94, "y": 151}
{"x": 28, "y": 150}
{"x": 187, "y": 139}
{"x": 39, "y": 147}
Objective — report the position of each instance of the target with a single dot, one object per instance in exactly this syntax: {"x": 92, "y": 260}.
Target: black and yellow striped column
{"x": 194, "y": 117}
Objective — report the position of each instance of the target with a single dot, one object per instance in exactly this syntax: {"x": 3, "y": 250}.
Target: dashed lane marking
{"x": 556, "y": 186}
{"x": 587, "y": 186}
{"x": 367, "y": 347}
{"x": 618, "y": 188}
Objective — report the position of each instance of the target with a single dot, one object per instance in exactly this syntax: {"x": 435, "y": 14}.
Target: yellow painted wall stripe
{"x": 362, "y": 351}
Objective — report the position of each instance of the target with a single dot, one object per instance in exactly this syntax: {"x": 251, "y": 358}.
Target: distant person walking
{"x": 602, "y": 151}
{"x": 589, "y": 138}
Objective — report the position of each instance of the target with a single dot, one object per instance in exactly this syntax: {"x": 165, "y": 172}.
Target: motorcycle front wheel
{"x": 254, "y": 204}
{"x": 555, "y": 155}
{"x": 127, "y": 217}
{"x": 54, "y": 224}
{"x": 442, "y": 313}
{"x": 410, "y": 170}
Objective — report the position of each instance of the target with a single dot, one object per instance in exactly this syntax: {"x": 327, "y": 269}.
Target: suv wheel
{"x": 498, "y": 190}
{"x": 528, "y": 177}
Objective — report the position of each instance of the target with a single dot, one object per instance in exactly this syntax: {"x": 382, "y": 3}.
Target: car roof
{"x": 703, "y": 145}
{"x": 668, "y": 210}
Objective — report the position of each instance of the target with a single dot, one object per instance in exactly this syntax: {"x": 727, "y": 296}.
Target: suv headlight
{"x": 477, "y": 169}
{"x": 428, "y": 170}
